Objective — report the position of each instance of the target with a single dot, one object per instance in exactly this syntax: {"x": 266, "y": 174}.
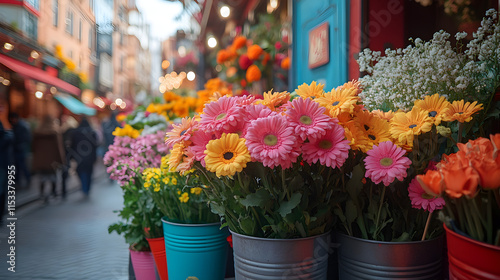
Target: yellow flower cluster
{"x": 196, "y": 190}
{"x": 127, "y": 130}
{"x": 152, "y": 178}
{"x": 184, "y": 198}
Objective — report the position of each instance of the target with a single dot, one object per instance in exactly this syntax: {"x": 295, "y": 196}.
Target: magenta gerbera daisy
{"x": 307, "y": 118}
{"x": 220, "y": 114}
{"x": 254, "y": 112}
{"x": 421, "y": 199}
{"x": 200, "y": 140}
{"x": 386, "y": 162}
{"x": 271, "y": 141}
{"x": 331, "y": 149}
{"x": 181, "y": 132}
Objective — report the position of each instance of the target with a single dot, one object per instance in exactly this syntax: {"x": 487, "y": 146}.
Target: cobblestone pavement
{"x": 68, "y": 239}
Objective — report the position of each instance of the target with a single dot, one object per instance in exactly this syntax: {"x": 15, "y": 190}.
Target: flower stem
{"x": 460, "y": 129}
{"x": 427, "y": 225}
{"x": 489, "y": 218}
{"x": 378, "y": 214}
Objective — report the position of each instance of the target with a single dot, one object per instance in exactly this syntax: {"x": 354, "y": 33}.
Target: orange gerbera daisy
{"x": 375, "y": 129}
{"x": 313, "y": 90}
{"x": 176, "y": 156}
{"x": 339, "y": 101}
{"x": 462, "y": 111}
{"x": 350, "y": 85}
{"x": 274, "y": 100}
{"x": 384, "y": 115}
{"x": 436, "y": 106}
{"x": 356, "y": 136}
{"x": 404, "y": 126}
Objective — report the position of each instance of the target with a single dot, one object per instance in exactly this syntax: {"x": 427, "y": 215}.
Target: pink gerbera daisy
{"x": 254, "y": 112}
{"x": 271, "y": 141}
{"x": 331, "y": 149}
{"x": 181, "y": 132}
{"x": 386, "y": 162}
{"x": 308, "y": 118}
{"x": 220, "y": 114}
{"x": 200, "y": 140}
{"x": 421, "y": 199}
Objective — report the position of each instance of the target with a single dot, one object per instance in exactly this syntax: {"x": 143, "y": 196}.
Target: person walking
{"x": 69, "y": 125}
{"x": 6, "y": 167}
{"x": 22, "y": 143}
{"x": 84, "y": 150}
{"x": 48, "y": 155}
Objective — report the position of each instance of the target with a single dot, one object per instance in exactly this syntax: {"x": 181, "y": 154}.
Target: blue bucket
{"x": 195, "y": 250}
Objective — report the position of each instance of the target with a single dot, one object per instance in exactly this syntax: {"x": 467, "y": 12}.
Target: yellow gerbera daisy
{"x": 338, "y": 101}
{"x": 374, "y": 129}
{"x": 405, "y": 125}
{"x": 462, "y": 112}
{"x": 436, "y": 107}
{"x": 357, "y": 138}
{"x": 274, "y": 100}
{"x": 176, "y": 156}
{"x": 313, "y": 90}
{"x": 227, "y": 155}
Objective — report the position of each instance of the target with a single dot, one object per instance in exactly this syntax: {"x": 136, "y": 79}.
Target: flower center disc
{"x": 432, "y": 114}
{"x": 427, "y": 196}
{"x": 220, "y": 116}
{"x": 386, "y": 161}
{"x": 305, "y": 119}
{"x": 372, "y": 137}
{"x": 182, "y": 132}
{"x": 335, "y": 103}
{"x": 325, "y": 144}
{"x": 228, "y": 155}
{"x": 270, "y": 140}
{"x": 412, "y": 126}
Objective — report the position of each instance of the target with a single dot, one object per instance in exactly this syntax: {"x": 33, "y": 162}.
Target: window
{"x": 55, "y": 12}
{"x": 31, "y": 26}
{"x": 69, "y": 22}
{"x": 91, "y": 38}
{"x": 80, "y": 30}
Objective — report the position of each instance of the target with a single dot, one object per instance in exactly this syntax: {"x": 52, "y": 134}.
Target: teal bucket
{"x": 195, "y": 250}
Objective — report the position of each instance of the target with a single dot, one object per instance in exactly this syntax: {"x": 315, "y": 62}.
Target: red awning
{"x": 38, "y": 74}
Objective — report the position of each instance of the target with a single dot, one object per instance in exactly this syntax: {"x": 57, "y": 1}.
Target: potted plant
{"x": 192, "y": 232}
{"x": 469, "y": 180}
{"x": 270, "y": 167}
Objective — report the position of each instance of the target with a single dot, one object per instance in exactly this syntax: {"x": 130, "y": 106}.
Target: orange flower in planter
{"x": 285, "y": 63}
{"x": 461, "y": 111}
{"x": 239, "y": 42}
{"x": 253, "y": 73}
{"x": 254, "y": 51}
{"x": 431, "y": 182}
{"x": 222, "y": 56}
{"x": 459, "y": 177}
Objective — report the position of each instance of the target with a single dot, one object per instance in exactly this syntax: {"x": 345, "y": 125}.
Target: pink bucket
{"x": 144, "y": 265}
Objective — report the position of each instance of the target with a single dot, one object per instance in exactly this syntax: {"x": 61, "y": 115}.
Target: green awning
{"x": 74, "y": 105}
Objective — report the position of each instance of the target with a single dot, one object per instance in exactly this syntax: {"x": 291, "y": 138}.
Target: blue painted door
{"x": 307, "y": 16}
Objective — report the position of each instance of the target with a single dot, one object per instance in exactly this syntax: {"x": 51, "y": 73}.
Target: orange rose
{"x": 239, "y": 42}
{"x": 253, "y": 73}
{"x": 488, "y": 171}
{"x": 431, "y": 182}
{"x": 285, "y": 63}
{"x": 254, "y": 51}
{"x": 459, "y": 177}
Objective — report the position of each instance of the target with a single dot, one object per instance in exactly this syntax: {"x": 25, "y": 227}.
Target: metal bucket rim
{"x": 468, "y": 239}
{"x": 189, "y": 225}
{"x": 278, "y": 239}
{"x": 441, "y": 236}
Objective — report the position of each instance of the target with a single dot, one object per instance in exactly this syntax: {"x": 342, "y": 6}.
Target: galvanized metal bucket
{"x": 277, "y": 259}
{"x": 368, "y": 259}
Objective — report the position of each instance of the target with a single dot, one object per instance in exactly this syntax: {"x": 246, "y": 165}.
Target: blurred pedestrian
{"x": 22, "y": 144}
{"x": 6, "y": 165}
{"x": 68, "y": 127}
{"x": 84, "y": 151}
{"x": 48, "y": 155}
{"x": 108, "y": 126}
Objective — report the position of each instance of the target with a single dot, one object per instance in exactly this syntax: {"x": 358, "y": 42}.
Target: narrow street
{"x": 68, "y": 239}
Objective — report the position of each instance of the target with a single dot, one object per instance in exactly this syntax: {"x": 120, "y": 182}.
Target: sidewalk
{"x": 67, "y": 239}
{"x": 32, "y": 194}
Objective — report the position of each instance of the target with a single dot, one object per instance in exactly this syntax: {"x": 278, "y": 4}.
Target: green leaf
{"x": 351, "y": 211}
{"x": 404, "y": 237}
{"x": 259, "y": 198}
{"x": 217, "y": 209}
{"x": 287, "y": 206}
{"x": 247, "y": 224}
{"x": 338, "y": 212}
